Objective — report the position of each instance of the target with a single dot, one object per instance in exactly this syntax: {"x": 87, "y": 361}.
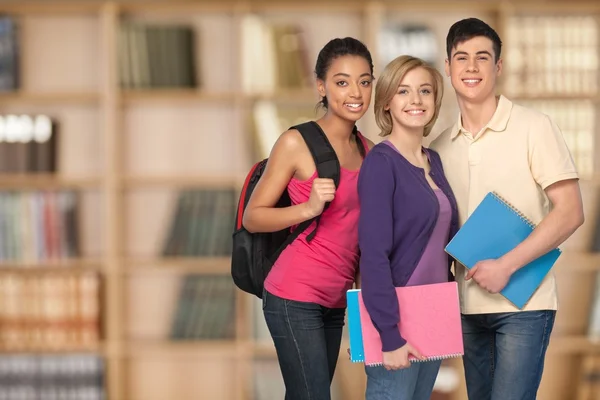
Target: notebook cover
{"x": 429, "y": 321}
{"x": 357, "y": 353}
{"x": 494, "y": 229}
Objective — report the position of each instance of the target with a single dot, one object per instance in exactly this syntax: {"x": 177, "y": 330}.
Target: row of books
{"x": 38, "y": 226}
{"x": 205, "y": 308}
{"x": 552, "y": 55}
{"x": 546, "y": 54}
{"x": 156, "y": 56}
{"x": 52, "y": 377}
{"x": 577, "y": 122}
{"x": 274, "y": 56}
{"x": 58, "y": 311}
{"x": 202, "y": 223}
{"x": 9, "y": 54}
{"x": 28, "y": 143}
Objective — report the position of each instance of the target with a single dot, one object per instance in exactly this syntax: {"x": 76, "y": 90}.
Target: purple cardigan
{"x": 398, "y": 211}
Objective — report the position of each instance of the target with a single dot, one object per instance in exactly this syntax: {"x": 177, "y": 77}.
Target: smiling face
{"x": 413, "y": 106}
{"x": 347, "y": 87}
{"x": 473, "y": 70}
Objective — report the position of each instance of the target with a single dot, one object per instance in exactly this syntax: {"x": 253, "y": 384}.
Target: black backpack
{"x": 254, "y": 254}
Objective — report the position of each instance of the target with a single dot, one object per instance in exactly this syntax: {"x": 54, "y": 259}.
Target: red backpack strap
{"x": 363, "y": 141}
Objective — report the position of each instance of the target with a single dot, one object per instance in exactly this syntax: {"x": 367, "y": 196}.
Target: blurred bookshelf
{"x": 157, "y": 110}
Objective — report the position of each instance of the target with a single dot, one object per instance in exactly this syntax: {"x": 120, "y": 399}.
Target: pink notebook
{"x": 429, "y": 321}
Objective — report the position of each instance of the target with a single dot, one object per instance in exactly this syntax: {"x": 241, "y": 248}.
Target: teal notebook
{"x": 494, "y": 229}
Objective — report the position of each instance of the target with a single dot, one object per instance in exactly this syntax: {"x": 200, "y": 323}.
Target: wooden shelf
{"x": 157, "y": 95}
{"x": 176, "y": 7}
{"x": 187, "y": 265}
{"x": 188, "y": 348}
{"x": 70, "y": 265}
{"x": 554, "y": 7}
{"x": 179, "y": 7}
{"x": 441, "y": 6}
{"x": 578, "y": 261}
{"x": 18, "y": 7}
{"x": 94, "y": 349}
{"x": 556, "y": 97}
{"x": 223, "y": 182}
{"x": 20, "y": 98}
{"x": 46, "y": 181}
{"x": 294, "y": 96}
{"x": 573, "y": 345}
{"x": 314, "y": 6}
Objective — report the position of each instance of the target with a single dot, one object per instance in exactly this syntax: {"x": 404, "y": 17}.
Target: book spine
{"x": 357, "y": 352}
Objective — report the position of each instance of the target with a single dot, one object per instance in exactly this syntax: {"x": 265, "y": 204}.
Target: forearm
{"x": 558, "y": 225}
{"x": 273, "y": 219}
{"x": 379, "y": 293}
{"x": 381, "y": 301}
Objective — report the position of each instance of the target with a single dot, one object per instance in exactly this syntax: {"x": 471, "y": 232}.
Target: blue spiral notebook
{"x": 494, "y": 229}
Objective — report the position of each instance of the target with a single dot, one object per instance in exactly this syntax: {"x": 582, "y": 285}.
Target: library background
{"x": 126, "y": 129}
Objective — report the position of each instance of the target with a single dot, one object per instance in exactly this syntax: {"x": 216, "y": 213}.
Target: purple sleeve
{"x": 375, "y": 234}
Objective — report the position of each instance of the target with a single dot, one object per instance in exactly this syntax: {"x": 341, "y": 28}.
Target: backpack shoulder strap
{"x": 326, "y": 161}
{"x": 363, "y": 147}
{"x": 327, "y": 164}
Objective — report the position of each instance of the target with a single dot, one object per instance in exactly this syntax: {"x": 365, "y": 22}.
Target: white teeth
{"x": 416, "y": 112}
{"x": 354, "y": 105}
{"x": 471, "y": 80}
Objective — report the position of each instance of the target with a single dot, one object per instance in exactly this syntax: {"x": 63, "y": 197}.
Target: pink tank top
{"x": 323, "y": 270}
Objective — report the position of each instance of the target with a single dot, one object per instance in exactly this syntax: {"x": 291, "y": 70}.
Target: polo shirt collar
{"x": 498, "y": 122}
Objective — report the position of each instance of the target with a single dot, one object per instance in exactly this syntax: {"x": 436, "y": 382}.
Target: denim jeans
{"x": 307, "y": 339}
{"x": 504, "y": 353}
{"x": 412, "y": 383}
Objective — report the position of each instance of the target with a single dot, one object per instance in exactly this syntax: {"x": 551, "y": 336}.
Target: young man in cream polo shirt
{"x": 497, "y": 145}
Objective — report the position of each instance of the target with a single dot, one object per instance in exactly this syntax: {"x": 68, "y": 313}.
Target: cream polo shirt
{"x": 518, "y": 154}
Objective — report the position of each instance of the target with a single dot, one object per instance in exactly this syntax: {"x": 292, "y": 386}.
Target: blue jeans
{"x": 307, "y": 339}
{"x": 412, "y": 383}
{"x": 504, "y": 353}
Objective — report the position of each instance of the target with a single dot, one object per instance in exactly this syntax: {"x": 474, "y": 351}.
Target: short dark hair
{"x": 469, "y": 28}
{"x": 335, "y": 48}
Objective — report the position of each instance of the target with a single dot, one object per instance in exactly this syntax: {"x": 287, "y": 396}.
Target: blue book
{"x": 357, "y": 350}
{"x": 494, "y": 229}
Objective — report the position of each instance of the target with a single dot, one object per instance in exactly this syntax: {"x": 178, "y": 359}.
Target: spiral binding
{"x": 432, "y": 358}
{"x": 442, "y": 357}
{"x": 515, "y": 210}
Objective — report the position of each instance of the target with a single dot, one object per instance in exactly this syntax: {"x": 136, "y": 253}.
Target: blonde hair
{"x": 387, "y": 88}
